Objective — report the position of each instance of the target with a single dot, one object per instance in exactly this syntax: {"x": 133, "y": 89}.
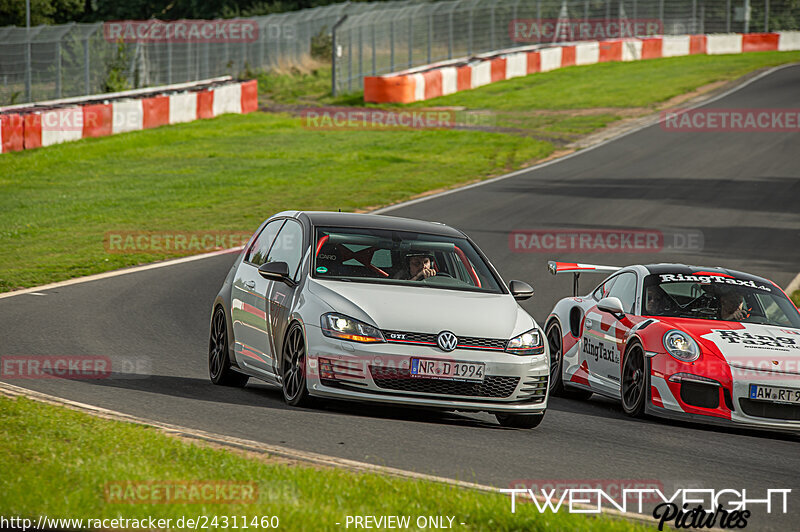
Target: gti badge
{"x": 447, "y": 341}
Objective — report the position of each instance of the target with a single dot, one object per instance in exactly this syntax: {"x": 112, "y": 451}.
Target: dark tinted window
{"x": 258, "y": 251}
{"x": 288, "y": 246}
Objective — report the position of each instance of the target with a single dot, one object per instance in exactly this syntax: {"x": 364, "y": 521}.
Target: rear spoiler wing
{"x": 576, "y": 269}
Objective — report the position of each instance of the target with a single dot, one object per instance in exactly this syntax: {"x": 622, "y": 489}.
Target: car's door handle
{"x": 250, "y": 284}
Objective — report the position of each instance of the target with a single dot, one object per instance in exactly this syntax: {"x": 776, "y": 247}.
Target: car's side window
{"x": 603, "y": 290}
{"x": 625, "y": 290}
{"x": 288, "y": 247}
{"x": 257, "y": 254}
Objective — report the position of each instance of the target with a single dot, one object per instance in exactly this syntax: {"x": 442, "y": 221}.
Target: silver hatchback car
{"x": 382, "y": 309}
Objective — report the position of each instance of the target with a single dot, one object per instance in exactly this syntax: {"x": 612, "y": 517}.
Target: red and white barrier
{"x": 182, "y": 107}
{"x": 33, "y": 126}
{"x": 437, "y": 80}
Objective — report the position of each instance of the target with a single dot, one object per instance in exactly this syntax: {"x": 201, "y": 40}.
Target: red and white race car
{"x": 708, "y": 344}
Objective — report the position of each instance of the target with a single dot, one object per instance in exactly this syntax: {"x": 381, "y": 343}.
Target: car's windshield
{"x": 400, "y": 257}
{"x": 717, "y": 297}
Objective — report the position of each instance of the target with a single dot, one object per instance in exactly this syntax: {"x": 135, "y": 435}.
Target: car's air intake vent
{"x": 401, "y": 380}
{"x": 769, "y": 410}
{"x": 464, "y": 342}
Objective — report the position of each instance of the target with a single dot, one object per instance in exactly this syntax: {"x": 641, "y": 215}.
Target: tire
{"x": 555, "y": 343}
{"x": 219, "y": 364}
{"x": 519, "y": 421}
{"x": 293, "y": 368}
{"x": 635, "y": 382}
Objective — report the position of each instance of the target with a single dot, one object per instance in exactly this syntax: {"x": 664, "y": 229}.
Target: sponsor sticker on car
{"x": 447, "y": 369}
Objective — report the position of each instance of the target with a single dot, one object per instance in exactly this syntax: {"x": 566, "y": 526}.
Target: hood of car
{"x": 425, "y": 309}
{"x": 746, "y": 345}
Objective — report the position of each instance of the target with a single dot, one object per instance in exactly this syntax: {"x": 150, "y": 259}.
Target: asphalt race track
{"x": 740, "y": 190}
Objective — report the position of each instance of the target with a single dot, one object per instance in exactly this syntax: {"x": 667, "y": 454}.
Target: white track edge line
{"x": 388, "y": 208}
{"x": 116, "y": 273}
{"x": 576, "y": 153}
{"x": 12, "y": 391}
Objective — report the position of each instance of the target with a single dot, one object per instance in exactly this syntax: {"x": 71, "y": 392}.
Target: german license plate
{"x": 447, "y": 369}
{"x": 772, "y": 393}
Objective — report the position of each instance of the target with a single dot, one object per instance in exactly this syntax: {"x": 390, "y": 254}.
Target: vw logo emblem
{"x": 447, "y": 341}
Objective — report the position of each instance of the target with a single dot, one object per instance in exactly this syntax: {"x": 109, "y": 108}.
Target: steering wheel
{"x": 443, "y": 274}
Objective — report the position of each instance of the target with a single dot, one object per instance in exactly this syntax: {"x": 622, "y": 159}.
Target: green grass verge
{"x": 796, "y": 297}
{"x": 56, "y": 462}
{"x": 229, "y": 173}
{"x": 615, "y": 84}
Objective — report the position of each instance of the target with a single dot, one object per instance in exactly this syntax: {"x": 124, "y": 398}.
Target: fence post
{"x": 391, "y": 45}
{"x": 469, "y": 38}
{"x": 333, "y": 53}
{"x": 727, "y": 16}
{"x": 169, "y": 61}
{"x": 491, "y": 21}
{"x": 58, "y": 68}
{"x": 28, "y": 74}
{"x": 747, "y": 16}
{"x": 86, "y": 81}
{"x": 410, "y": 40}
{"x": 766, "y": 16}
{"x": 694, "y": 16}
{"x": 360, "y": 55}
{"x": 373, "y": 50}
{"x": 430, "y": 33}
{"x": 450, "y": 34}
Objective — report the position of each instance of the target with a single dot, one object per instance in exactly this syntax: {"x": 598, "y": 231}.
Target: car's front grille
{"x": 401, "y": 380}
{"x": 464, "y": 342}
{"x": 769, "y": 410}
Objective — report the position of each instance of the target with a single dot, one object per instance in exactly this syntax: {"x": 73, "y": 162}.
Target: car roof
{"x": 377, "y": 221}
{"x": 695, "y": 270}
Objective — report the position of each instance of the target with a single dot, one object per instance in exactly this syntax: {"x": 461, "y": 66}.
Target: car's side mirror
{"x": 520, "y": 290}
{"x": 276, "y": 271}
{"x": 612, "y": 305}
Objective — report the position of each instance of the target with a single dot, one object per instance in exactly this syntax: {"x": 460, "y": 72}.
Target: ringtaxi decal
{"x": 708, "y": 279}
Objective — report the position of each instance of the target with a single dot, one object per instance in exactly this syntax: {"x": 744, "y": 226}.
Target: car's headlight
{"x": 529, "y": 343}
{"x": 344, "y": 328}
{"x": 681, "y": 346}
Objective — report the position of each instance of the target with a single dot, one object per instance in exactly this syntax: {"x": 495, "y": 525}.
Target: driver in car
{"x": 732, "y": 306}
{"x": 420, "y": 267}
{"x": 656, "y": 302}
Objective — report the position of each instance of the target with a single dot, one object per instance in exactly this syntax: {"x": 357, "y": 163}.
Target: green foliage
{"x": 116, "y": 79}
{"x": 322, "y": 45}
{"x": 12, "y": 12}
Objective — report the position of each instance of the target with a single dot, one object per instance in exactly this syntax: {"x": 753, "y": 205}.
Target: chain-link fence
{"x": 396, "y": 38}
{"x": 60, "y": 61}
{"x": 50, "y": 62}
